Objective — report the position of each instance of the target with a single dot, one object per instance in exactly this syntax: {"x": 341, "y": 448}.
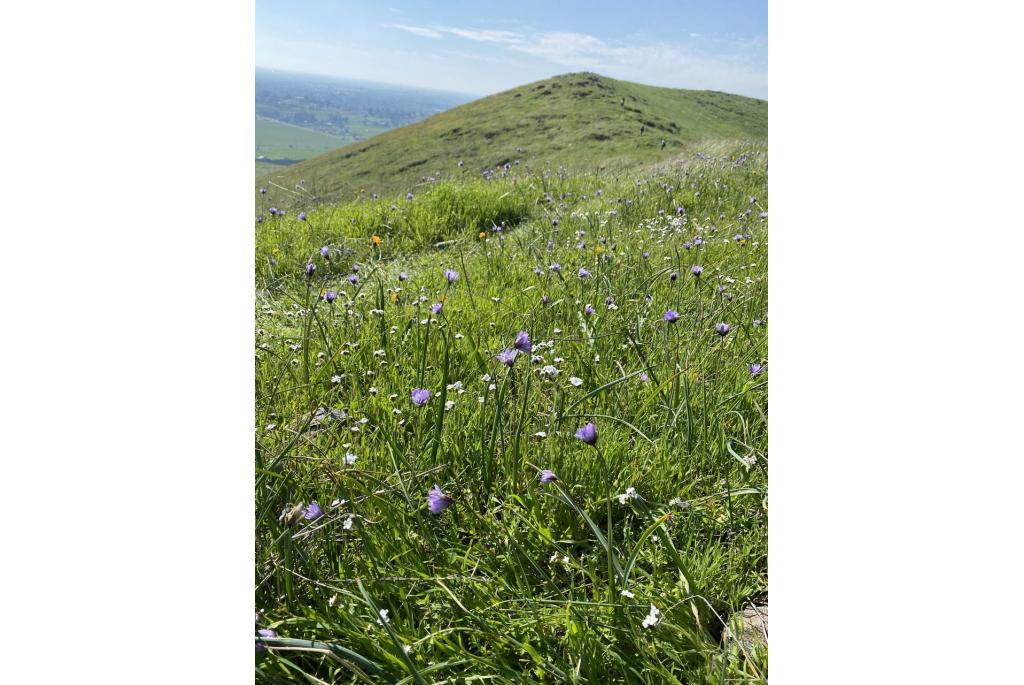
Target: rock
{"x": 750, "y": 628}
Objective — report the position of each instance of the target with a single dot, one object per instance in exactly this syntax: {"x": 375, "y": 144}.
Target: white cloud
{"x": 485, "y": 35}
{"x": 417, "y": 30}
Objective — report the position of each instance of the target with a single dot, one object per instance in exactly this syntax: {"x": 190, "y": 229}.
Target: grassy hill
{"x": 585, "y": 122}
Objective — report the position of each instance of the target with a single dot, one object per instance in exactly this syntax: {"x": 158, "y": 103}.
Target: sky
{"x": 481, "y": 47}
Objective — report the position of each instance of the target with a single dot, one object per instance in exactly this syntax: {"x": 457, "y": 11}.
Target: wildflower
{"x": 302, "y": 216}
{"x": 696, "y": 270}
{"x": 330, "y": 296}
{"x": 551, "y": 244}
{"x": 652, "y": 617}
{"x": 335, "y": 379}
{"x": 436, "y": 308}
{"x": 376, "y": 240}
{"x": 575, "y": 382}
{"x": 722, "y": 329}
{"x": 756, "y": 369}
{"x": 757, "y": 322}
{"x": 310, "y": 268}
{"x": 437, "y": 500}
{"x": 674, "y": 275}
{"x": 556, "y": 267}
{"x": 325, "y": 251}
{"x": 671, "y": 316}
{"x": 408, "y": 196}
{"x": 549, "y": 371}
{"x": 350, "y": 458}
{"x": 263, "y": 191}
{"x": 273, "y": 211}
{"x": 508, "y": 357}
{"x": 312, "y": 512}
{"x": 629, "y": 494}
{"x": 588, "y": 434}
{"x": 643, "y": 377}
{"x": 646, "y": 254}
{"x": 347, "y": 525}
{"x": 483, "y": 234}
{"x": 451, "y": 275}
{"x": 384, "y": 612}
{"x": 264, "y": 632}
{"x": 353, "y": 279}
{"x": 547, "y": 476}
{"x": 420, "y": 396}
{"x": 554, "y": 222}
{"x": 402, "y": 276}
{"x": 584, "y": 273}
{"x": 627, "y": 594}
{"x": 588, "y": 310}
{"x": 544, "y": 299}
{"x": 522, "y": 342}
{"x": 687, "y": 245}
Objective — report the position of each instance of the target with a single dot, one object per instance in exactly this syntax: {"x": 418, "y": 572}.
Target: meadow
{"x": 514, "y": 429}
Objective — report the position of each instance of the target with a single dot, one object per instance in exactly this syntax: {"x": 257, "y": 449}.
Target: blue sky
{"x": 483, "y": 47}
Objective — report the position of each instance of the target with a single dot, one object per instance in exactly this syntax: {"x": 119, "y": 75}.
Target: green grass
{"x": 582, "y": 122}
{"x": 516, "y": 582}
{"x": 279, "y": 141}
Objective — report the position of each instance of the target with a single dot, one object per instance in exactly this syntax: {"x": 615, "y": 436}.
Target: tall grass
{"x": 517, "y": 581}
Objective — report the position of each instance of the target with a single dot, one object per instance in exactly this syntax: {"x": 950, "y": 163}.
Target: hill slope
{"x": 581, "y": 121}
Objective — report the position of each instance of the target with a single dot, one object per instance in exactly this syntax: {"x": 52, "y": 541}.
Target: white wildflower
{"x": 347, "y": 525}
{"x": 653, "y": 617}
{"x": 335, "y": 379}
{"x": 577, "y": 382}
{"x": 627, "y": 593}
{"x": 350, "y": 458}
{"x": 384, "y": 616}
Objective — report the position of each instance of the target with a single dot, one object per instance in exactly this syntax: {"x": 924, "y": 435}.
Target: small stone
{"x": 750, "y": 627}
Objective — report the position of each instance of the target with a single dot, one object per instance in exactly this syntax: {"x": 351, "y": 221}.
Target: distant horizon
{"x": 478, "y": 95}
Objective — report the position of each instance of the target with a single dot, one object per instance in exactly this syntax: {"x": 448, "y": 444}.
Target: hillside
{"x": 280, "y": 144}
{"x": 583, "y": 121}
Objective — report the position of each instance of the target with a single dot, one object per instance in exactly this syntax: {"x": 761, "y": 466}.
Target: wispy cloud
{"x": 416, "y": 30}
{"x": 667, "y": 64}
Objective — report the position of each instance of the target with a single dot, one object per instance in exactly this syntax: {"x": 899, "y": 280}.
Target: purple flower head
{"x": 330, "y": 296}
{"x": 420, "y": 396}
{"x": 353, "y": 279}
{"x": 402, "y": 276}
{"x": 721, "y": 288}
{"x": 696, "y": 270}
{"x": 547, "y": 476}
{"x": 324, "y": 251}
{"x": 588, "y": 310}
{"x": 312, "y": 512}
{"x": 764, "y": 215}
{"x": 273, "y": 211}
{"x": 722, "y": 329}
{"x": 671, "y": 316}
{"x": 544, "y": 299}
{"x": 673, "y": 276}
{"x": 643, "y": 377}
{"x": 680, "y": 210}
{"x": 580, "y": 245}
{"x": 757, "y": 322}
{"x": 508, "y": 357}
{"x": 661, "y": 212}
{"x": 310, "y": 268}
{"x": 522, "y": 342}
{"x": 551, "y": 244}
{"x": 554, "y": 222}
{"x": 302, "y": 216}
{"x": 687, "y": 245}
{"x": 273, "y": 261}
{"x": 436, "y": 308}
{"x": 437, "y": 501}
{"x": 584, "y": 273}
{"x": 263, "y": 191}
{"x": 698, "y": 241}
{"x": 263, "y": 632}
{"x": 646, "y": 254}
{"x": 408, "y": 196}
{"x": 537, "y": 270}
{"x": 756, "y": 369}
{"x": 556, "y": 267}
{"x": 452, "y": 276}
{"x": 608, "y": 301}
{"x": 588, "y": 434}
{"x": 355, "y": 268}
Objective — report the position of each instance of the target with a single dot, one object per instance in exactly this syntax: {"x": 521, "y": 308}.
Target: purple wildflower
{"x": 408, "y": 196}
{"x": 420, "y": 396}
{"x": 310, "y": 268}
{"x": 325, "y": 251}
{"x": 588, "y": 434}
{"x": 696, "y": 270}
{"x": 547, "y": 476}
{"x": 673, "y": 276}
{"x": 437, "y": 501}
{"x": 522, "y": 342}
{"x": 436, "y": 308}
{"x": 263, "y": 632}
{"x": 330, "y": 296}
{"x": 756, "y": 369}
{"x": 537, "y": 270}
{"x": 646, "y": 254}
{"x": 263, "y": 191}
{"x": 757, "y": 322}
{"x": 671, "y": 316}
{"x": 584, "y": 273}
{"x": 402, "y": 276}
{"x": 687, "y": 245}
{"x": 451, "y": 275}
{"x": 554, "y": 222}
{"x": 544, "y": 299}
{"x": 722, "y": 329}
{"x": 312, "y": 512}
{"x": 588, "y": 310}
{"x": 353, "y": 279}
{"x": 556, "y": 267}
{"x": 551, "y": 244}
{"x": 273, "y": 211}
{"x": 302, "y": 216}
{"x": 508, "y": 357}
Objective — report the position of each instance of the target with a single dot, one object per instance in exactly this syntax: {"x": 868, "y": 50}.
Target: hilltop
{"x": 583, "y": 122}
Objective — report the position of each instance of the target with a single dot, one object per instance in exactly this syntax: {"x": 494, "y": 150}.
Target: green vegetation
{"x": 582, "y": 122}
{"x": 282, "y": 143}
{"x": 518, "y": 581}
